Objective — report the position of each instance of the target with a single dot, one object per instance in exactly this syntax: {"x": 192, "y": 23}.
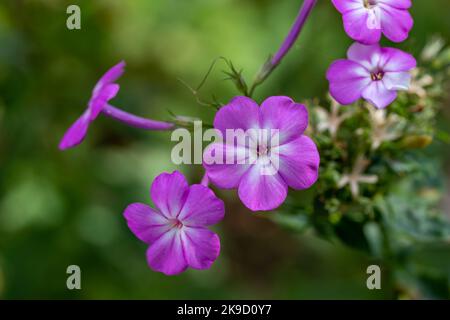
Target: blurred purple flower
{"x": 371, "y": 72}
{"x": 176, "y": 231}
{"x": 105, "y": 90}
{"x": 366, "y": 20}
{"x": 292, "y": 160}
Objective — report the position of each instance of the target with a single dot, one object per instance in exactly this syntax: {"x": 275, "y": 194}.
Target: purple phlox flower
{"x": 177, "y": 230}
{"x": 357, "y": 176}
{"x": 103, "y": 92}
{"x": 263, "y": 169}
{"x": 370, "y": 72}
{"x": 366, "y": 20}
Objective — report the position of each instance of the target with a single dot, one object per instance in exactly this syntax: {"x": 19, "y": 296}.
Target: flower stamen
{"x": 377, "y": 76}
{"x": 369, "y": 4}
{"x": 175, "y": 223}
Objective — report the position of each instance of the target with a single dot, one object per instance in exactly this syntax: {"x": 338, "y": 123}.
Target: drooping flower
{"x": 275, "y": 153}
{"x": 372, "y": 73}
{"x": 366, "y": 20}
{"x": 177, "y": 230}
{"x": 105, "y": 90}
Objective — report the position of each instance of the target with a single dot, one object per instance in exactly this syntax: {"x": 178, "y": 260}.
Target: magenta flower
{"x": 176, "y": 231}
{"x": 103, "y": 92}
{"x": 290, "y": 160}
{"x": 366, "y": 20}
{"x": 371, "y": 72}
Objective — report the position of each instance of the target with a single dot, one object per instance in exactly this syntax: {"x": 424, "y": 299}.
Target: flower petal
{"x": 299, "y": 163}
{"x": 396, "y": 23}
{"x": 395, "y": 60}
{"x": 201, "y": 247}
{"x": 169, "y": 192}
{"x": 397, "y": 80}
{"x": 367, "y": 55}
{"x": 97, "y": 103}
{"x": 202, "y": 207}
{"x": 262, "y": 192}
{"x": 226, "y": 164}
{"x": 399, "y": 4}
{"x": 146, "y": 223}
{"x": 166, "y": 254}
{"x": 344, "y": 6}
{"x": 283, "y": 114}
{"x": 358, "y": 24}
{"x": 240, "y": 113}
{"x": 347, "y": 81}
{"x": 110, "y": 76}
{"x": 76, "y": 133}
{"x": 379, "y": 95}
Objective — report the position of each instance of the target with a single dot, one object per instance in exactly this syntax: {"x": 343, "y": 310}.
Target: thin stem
{"x": 135, "y": 121}
{"x": 272, "y": 63}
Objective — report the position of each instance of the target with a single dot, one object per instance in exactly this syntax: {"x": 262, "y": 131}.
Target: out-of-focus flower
{"x": 331, "y": 120}
{"x": 384, "y": 127}
{"x": 263, "y": 169}
{"x": 103, "y": 92}
{"x": 432, "y": 49}
{"x": 357, "y": 176}
{"x": 177, "y": 230}
{"x": 370, "y": 72}
{"x": 366, "y": 20}
{"x": 419, "y": 83}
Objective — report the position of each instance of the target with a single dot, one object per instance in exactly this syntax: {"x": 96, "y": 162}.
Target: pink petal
{"x": 201, "y": 247}
{"x": 97, "y": 103}
{"x": 226, "y": 174}
{"x": 395, "y": 60}
{"x": 240, "y": 113}
{"x": 347, "y": 81}
{"x": 367, "y": 55}
{"x": 344, "y": 6}
{"x": 299, "y": 163}
{"x": 399, "y": 4}
{"x": 260, "y": 192}
{"x": 396, "y": 23}
{"x": 397, "y": 80}
{"x": 110, "y": 76}
{"x": 358, "y": 27}
{"x": 146, "y": 223}
{"x": 201, "y": 208}
{"x": 76, "y": 133}
{"x": 379, "y": 95}
{"x": 166, "y": 254}
{"x": 283, "y": 114}
{"x": 169, "y": 192}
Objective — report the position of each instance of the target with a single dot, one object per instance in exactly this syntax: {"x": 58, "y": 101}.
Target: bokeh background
{"x": 63, "y": 208}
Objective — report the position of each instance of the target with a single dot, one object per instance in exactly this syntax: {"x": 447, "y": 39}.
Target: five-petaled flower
{"x": 177, "y": 230}
{"x": 370, "y": 72}
{"x": 291, "y": 160}
{"x": 366, "y": 20}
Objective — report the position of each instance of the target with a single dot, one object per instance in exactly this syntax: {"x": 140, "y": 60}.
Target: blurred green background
{"x": 63, "y": 208}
